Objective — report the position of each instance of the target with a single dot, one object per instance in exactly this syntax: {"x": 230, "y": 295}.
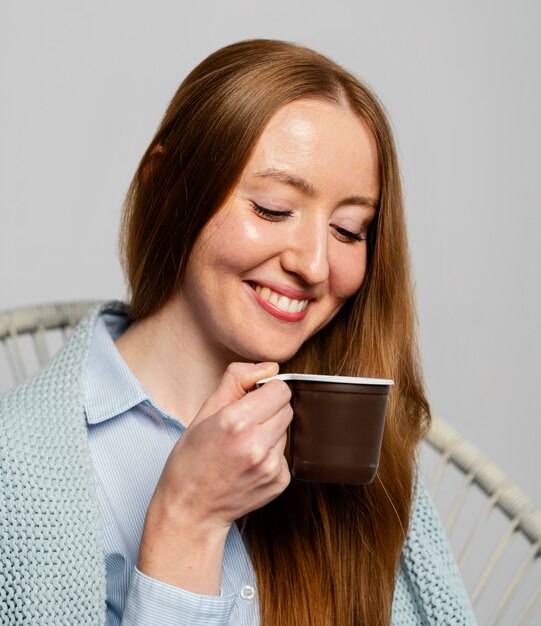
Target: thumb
{"x": 237, "y": 381}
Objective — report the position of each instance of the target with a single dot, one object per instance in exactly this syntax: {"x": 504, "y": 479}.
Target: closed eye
{"x": 276, "y": 216}
{"x": 270, "y": 214}
{"x": 349, "y": 236}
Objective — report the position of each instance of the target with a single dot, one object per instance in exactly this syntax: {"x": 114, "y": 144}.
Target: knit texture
{"x": 51, "y": 552}
{"x": 52, "y": 568}
{"x": 429, "y": 589}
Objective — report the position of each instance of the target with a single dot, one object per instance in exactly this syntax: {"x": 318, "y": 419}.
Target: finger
{"x": 281, "y": 443}
{"x": 275, "y": 474}
{"x": 237, "y": 381}
{"x": 274, "y": 431}
{"x": 263, "y": 403}
{"x": 266, "y": 441}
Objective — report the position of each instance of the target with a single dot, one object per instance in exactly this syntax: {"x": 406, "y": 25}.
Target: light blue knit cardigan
{"x": 52, "y": 570}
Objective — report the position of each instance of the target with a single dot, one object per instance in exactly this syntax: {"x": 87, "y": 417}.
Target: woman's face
{"x": 288, "y": 248}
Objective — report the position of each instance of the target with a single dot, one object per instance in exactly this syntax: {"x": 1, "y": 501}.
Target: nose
{"x": 306, "y": 253}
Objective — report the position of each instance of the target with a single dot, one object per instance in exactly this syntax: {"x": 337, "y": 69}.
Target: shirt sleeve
{"x": 151, "y": 602}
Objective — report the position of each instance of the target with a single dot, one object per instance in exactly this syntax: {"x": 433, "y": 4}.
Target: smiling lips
{"x": 279, "y": 305}
{"x": 280, "y": 301}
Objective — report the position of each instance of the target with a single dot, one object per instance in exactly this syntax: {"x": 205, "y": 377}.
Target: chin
{"x": 266, "y": 354}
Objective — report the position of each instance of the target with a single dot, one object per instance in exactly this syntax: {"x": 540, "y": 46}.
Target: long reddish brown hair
{"x": 323, "y": 554}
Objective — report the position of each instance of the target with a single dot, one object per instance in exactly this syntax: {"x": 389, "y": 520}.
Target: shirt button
{"x": 247, "y": 592}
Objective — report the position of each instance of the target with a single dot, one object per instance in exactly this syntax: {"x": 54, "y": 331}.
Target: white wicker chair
{"x": 494, "y": 528}
{"x": 31, "y": 335}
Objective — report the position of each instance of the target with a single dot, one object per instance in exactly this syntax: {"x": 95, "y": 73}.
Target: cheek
{"x": 236, "y": 243}
{"x": 348, "y": 269}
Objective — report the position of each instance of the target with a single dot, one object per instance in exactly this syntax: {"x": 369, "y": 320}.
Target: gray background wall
{"x": 83, "y": 86}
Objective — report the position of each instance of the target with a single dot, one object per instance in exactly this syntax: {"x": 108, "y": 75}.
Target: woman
{"x": 264, "y": 229}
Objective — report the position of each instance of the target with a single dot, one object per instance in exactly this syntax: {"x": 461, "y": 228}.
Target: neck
{"x": 174, "y": 363}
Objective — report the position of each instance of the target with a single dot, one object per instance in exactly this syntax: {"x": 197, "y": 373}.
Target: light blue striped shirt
{"x": 130, "y": 439}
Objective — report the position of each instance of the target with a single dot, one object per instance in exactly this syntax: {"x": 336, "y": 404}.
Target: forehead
{"x": 312, "y": 137}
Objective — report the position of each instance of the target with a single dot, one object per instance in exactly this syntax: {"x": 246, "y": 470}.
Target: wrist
{"x": 179, "y": 549}
{"x": 169, "y": 515}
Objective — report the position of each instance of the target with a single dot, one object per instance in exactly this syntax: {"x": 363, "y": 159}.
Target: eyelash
{"x": 276, "y": 216}
{"x": 269, "y": 213}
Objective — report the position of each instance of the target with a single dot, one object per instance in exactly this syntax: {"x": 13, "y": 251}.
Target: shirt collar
{"x": 110, "y": 386}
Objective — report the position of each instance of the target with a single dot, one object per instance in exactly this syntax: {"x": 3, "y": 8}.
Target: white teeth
{"x": 284, "y": 303}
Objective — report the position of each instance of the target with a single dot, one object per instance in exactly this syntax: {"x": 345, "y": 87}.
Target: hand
{"x": 228, "y": 462}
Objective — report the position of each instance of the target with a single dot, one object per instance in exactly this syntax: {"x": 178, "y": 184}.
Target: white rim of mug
{"x": 348, "y": 380}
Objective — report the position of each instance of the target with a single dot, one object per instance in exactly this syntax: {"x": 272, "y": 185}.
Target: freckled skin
{"x": 332, "y": 149}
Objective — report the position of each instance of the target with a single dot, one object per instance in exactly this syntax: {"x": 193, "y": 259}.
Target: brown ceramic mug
{"x": 337, "y": 428}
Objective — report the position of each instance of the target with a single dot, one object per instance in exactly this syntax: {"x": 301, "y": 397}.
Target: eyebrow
{"x": 309, "y": 190}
